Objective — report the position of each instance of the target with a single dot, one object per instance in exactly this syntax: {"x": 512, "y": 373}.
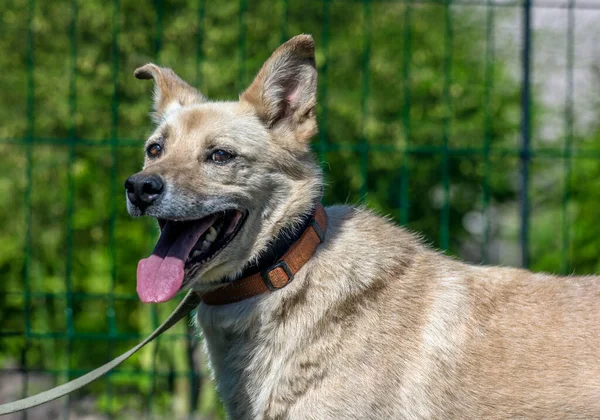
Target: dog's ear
{"x": 284, "y": 93}
{"x": 170, "y": 92}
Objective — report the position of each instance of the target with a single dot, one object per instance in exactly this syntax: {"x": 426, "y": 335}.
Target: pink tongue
{"x": 159, "y": 277}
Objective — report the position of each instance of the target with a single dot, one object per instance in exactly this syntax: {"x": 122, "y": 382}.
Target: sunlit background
{"x": 464, "y": 120}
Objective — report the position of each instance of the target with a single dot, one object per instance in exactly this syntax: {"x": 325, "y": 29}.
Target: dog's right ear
{"x": 170, "y": 92}
{"x": 284, "y": 93}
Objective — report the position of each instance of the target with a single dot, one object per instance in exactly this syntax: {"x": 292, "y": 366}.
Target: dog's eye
{"x": 221, "y": 156}
{"x": 154, "y": 150}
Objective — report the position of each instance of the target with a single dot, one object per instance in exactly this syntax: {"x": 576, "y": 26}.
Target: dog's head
{"x": 223, "y": 178}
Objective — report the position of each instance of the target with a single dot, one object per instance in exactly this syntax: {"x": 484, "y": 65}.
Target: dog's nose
{"x": 143, "y": 190}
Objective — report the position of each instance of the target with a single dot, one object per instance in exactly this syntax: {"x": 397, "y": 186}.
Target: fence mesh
{"x": 457, "y": 118}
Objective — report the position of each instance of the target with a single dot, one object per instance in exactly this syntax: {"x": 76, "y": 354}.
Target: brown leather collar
{"x": 279, "y": 274}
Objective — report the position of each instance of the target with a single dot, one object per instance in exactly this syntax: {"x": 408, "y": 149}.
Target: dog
{"x": 371, "y": 323}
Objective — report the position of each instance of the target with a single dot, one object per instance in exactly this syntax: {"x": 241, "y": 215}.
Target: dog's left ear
{"x": 170, "y": 92}
{"x": 284, "y": 93}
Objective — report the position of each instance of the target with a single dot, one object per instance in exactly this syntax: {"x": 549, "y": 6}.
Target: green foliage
{"x": 401, "y": 91}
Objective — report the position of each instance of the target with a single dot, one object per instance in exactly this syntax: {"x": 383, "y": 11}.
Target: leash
{"x": 190, "y": 302}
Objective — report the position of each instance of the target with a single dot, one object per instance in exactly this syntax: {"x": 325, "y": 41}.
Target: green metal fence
{"x": 426, "y": 114}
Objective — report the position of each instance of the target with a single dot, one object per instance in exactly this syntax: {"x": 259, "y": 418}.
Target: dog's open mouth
{"x": 184, "y": 247}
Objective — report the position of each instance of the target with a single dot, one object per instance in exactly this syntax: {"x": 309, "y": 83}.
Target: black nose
{"x": 143, "y": 190}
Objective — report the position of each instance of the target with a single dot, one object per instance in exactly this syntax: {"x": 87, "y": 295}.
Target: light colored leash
{"x": 190, "y": 302}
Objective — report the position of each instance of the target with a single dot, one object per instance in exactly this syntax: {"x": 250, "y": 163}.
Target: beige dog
{"x": 374, "y": 325}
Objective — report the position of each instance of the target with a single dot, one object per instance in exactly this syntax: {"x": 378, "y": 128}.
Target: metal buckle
{"x": 286, "y": 268}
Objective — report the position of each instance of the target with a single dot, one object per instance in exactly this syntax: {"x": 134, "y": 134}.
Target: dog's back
{"x": 533, "y": 348}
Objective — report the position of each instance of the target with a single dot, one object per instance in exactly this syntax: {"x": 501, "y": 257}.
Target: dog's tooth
{"x": 196, "y": 253}
{"x": 211, "y": 235}
{"x": 205, "y": 245}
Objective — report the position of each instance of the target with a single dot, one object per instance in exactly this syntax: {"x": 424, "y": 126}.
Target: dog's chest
{"x": 251, "y": 367}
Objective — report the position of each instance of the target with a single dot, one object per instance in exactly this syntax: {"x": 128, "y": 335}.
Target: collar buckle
{"x": 267, "y": 279}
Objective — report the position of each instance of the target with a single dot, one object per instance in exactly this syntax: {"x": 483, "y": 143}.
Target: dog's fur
{"x": 376, "y": 325}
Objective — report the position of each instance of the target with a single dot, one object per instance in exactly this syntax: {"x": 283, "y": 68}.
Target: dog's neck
{"x": 278, "y": 245}
{"x": 290, "y": 255}
{"x": 287, "y": 222}
{"x": 282, "y": 225}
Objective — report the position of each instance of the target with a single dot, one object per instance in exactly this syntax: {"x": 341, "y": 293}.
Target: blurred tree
{"x": 566, "y": 234}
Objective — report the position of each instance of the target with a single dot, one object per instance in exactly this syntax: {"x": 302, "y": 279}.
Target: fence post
{"x": 525, "y": 133}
